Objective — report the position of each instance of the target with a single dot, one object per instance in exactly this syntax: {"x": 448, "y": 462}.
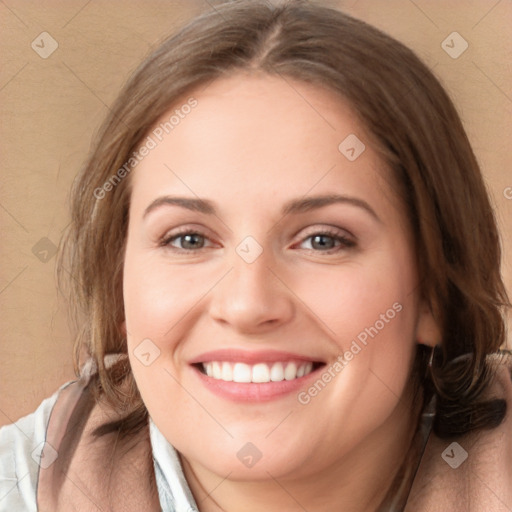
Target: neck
{"x": 358, "y": 483}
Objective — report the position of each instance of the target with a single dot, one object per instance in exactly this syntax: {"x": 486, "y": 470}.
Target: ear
{"x": 428, "y": 331}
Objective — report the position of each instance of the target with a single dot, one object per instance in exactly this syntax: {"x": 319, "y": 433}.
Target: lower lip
{"x": 254, "y": 391}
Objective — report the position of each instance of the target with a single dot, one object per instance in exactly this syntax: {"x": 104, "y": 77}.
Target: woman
{"x": 289, "y": 270}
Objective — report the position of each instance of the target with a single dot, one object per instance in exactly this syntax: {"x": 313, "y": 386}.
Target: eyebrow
{"x": 294, "y": 206}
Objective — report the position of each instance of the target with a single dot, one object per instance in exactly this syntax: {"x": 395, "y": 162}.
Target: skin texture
{"x": 251, "y": 144}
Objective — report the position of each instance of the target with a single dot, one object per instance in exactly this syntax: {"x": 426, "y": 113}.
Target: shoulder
{"x": 472, "y": 472}
{"x": 21, "y": 444}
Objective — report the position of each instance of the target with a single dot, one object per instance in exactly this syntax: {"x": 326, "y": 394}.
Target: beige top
{"x": 473, "y": 473}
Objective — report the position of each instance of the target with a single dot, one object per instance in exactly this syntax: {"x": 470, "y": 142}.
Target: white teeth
{"x": 258, "y": 373}
{"x": 290, "y": 371}
{"x": 227, "y": 372}
{"x": 242, "y": 372}
{"x": 277, "y": 372}
{"x": 217, "y": 371}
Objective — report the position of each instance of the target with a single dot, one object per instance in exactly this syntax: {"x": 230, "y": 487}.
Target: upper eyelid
{"x": 309, "y": 231}
{"x": 331, "y": 230}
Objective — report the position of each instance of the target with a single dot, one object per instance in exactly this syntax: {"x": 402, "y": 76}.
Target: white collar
{"x": 173, "y": 490}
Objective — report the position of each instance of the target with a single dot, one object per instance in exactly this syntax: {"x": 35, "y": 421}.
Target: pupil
{"x": 322, "y": 243}
{"x": 189, "y": 240}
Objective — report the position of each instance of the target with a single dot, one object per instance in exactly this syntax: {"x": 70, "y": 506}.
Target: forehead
{"x": 255, "y": 134}
{"x": 253, "y": 107}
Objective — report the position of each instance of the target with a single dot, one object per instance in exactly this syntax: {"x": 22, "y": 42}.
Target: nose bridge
{"x": 251, "y": 295}
{"x": 252, "y": 271}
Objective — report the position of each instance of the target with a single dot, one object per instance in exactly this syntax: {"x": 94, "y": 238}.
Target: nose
{"x": 252, "y": 297}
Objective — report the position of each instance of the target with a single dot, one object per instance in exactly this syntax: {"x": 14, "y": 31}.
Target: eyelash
{"x": 344, "y": 242}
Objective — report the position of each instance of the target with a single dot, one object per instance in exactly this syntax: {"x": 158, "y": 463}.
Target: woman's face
{"x": 270, "y": 286}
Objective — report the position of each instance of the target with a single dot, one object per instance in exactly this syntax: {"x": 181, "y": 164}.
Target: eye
{"x": 187, "y": 241}
{"x": 328, "y": 241}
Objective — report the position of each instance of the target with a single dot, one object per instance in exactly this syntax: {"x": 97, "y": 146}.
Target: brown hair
{"x": 415, "y": 128}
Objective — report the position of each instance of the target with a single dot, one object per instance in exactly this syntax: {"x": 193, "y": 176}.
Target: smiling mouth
{"x": 239, "y": 372}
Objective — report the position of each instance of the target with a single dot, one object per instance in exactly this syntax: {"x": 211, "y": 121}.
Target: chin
{"x": 246, "y": 461}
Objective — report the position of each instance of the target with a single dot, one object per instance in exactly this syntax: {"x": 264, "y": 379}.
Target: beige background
{"x": 50, "y": 108}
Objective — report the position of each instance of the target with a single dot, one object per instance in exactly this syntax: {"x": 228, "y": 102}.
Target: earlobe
{"x": 428, "y": 331}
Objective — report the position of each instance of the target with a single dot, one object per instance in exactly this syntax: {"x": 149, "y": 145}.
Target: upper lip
{"x": 251, "y": 357}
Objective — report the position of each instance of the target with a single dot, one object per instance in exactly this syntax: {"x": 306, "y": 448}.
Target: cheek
{"x": 369, "y": 312}
{"x": 159, "y": 304}
{"x": 158, "y": 296}
{"x": 359, "y": 301}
